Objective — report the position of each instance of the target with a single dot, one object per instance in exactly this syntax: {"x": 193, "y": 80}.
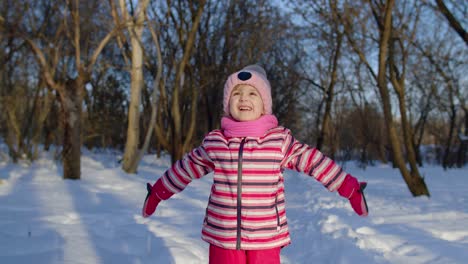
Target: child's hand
{"x": 354, "y": 191}
{"x": 151, "y": 202}
{"x": 156, "y": 194}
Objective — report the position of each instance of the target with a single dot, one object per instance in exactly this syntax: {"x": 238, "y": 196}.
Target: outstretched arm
{"x": 193, "y": 165}
{"x": 311, "y": 161}
{"x": 303, "y": 158}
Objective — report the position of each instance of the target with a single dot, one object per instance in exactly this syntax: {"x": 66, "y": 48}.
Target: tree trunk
{"x": 133, "y": 129}
{"x": 461, "y": 156}
{"x": 330, "y": 92}
{"x": 447, "y": 162}
{"x": 323, "y": 133}
{"x": 71, "y": 100}
{"x": 416, "y": 184}
{"x": 14, "y": 137}
{"x": 131, "y": 158}
{"x": 407, "y": 132}
{"x": 383, "y": 153}
{"x": 176, "y": 152}
{"x": 44, "y": 111}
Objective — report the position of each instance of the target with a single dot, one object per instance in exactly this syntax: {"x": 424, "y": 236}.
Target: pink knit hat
{"x": 255, "y": 76}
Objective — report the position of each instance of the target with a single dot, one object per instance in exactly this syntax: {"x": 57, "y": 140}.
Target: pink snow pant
{"x": 220, "y": 255}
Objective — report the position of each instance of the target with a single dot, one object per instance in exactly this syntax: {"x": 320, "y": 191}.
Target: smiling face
{"x": 245, "y": 103}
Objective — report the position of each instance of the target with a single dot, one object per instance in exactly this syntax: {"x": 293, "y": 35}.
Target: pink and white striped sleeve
{"x": 193, "y": 165}
{"x": 303, "y": 158}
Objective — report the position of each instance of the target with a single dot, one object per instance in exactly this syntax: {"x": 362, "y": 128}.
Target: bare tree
{"x": 134, "y": 25}
{"x": 24, "y": 99}
{"x": 322, "y": 27}
{"x": 176, "y": 133}
{"x": 383, "y": 14}
{"x": 336, "y": 39}
{"x": 413, "y": 179}
{"x": 66, "y": 71}
{"x": 399, "y": 52}
{"x": 446, "y": 64}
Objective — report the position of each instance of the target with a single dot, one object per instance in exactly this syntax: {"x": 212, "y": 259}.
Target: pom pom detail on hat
{"x": 255, "y": 76}
{"x": 244, "y": 76}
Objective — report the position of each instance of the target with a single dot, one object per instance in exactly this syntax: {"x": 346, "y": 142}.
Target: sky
{"x": 45, "y": 219}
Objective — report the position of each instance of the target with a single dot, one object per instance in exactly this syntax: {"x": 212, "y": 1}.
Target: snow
{"x": 45, "y": 219}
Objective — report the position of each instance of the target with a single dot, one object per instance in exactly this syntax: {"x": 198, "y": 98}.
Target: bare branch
{"x": 100, "y": 47}
{"x": 43, "y": 63}
{"x": 453, "y": 22}
{"x": 121, "y": 40}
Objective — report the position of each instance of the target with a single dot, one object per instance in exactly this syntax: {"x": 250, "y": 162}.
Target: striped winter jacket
{"x": 246, "y": 208}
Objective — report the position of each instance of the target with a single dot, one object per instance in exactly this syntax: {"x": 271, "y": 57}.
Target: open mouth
{"x": 245, "y": 108}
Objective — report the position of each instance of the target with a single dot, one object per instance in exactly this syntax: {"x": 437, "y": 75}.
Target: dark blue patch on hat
{"x": 244, "y": 76}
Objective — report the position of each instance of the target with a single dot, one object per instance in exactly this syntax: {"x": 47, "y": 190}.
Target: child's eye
{"x": 253, "y": 93}
{"x": 235, "y": 93}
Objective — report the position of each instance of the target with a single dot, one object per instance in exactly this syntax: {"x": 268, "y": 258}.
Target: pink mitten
{"x": 354, "y": 191}
{"x": 156, "y": 193}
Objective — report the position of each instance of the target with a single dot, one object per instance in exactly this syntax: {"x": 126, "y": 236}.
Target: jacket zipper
{"x": 239, "y": 193}
{"x": 278, "y": 225}
{"x": 278, "y": 222}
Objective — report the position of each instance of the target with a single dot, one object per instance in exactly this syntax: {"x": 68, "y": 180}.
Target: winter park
{"x": 233, "y": 132}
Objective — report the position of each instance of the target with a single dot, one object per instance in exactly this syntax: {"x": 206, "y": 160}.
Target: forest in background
{"x": 367, "y": 80}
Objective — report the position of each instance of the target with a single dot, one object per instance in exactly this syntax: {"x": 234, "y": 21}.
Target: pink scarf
{"x": 255, "y": 128}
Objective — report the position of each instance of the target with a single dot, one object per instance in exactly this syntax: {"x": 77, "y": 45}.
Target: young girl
{"x": 245, "y": 219}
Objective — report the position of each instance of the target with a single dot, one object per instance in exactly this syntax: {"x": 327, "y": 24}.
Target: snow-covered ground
{"x": 45, "y": 219}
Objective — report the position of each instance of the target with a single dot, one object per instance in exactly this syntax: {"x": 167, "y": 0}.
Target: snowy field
{"x": 45, "y": 219}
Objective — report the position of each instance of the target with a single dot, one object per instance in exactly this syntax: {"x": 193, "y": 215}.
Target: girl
{"x": 245, "y": 219}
